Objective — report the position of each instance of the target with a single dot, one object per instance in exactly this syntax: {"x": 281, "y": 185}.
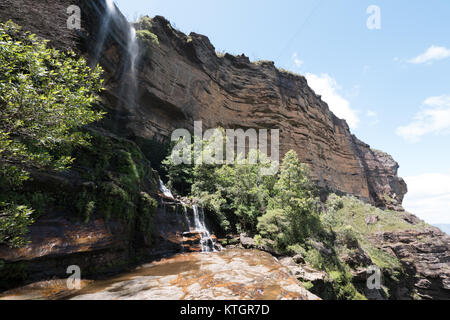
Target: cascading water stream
{"x": 129, "y": 81}
{"x": 198, "y": 227}
{"x": 207, "y": 241}
{"x": 133, "y": 54}
{"x": 186, "y": 217}
{"x": 165, "y": 191}
{"x": 103, "y": 31}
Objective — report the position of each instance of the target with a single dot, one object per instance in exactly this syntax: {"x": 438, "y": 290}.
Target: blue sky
{"x": 391, "y": 84}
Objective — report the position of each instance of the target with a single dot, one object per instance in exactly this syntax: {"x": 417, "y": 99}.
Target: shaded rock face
{"x": 56, "y": 243}
{"x": 39, "y": 17}
{"x": 182, "y": 80}
{"x": 425, "y": 257}
{"x": 319, "y": 280}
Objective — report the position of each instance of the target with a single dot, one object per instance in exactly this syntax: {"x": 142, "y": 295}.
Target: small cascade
{"x": 165, "y": 191}
{"x": 207, "y": 241}
{"x": 103, "y": 31}
{"x": 186, "y": 217}
{"x": 197, "y": 237}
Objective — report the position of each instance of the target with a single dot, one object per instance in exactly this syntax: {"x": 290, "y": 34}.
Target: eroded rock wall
{"x": 183, "y": 80}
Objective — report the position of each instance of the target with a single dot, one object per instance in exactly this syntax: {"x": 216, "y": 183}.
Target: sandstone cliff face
{"x": 183, "y": 80}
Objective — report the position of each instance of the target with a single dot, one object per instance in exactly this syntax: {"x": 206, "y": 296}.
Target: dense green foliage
{"x": 180, "y": 176}
{"x": 45, "y": 98}
{"x": 238, "y": 194}
{"x": 14, "y": 222}
{"x": 292, "y": 210}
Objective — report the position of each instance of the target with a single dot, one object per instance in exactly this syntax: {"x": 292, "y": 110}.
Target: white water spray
{"x": 133, "y": 49}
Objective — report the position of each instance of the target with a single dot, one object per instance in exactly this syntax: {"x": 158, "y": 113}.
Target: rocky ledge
{"x": 425, "y": 257}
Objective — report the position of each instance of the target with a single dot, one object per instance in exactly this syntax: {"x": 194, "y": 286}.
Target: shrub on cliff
{"x": 144, "y": 34}
{"x": 45, "y": 98}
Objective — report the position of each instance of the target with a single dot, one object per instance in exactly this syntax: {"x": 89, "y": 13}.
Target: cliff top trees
{"x": 45, "y": 98}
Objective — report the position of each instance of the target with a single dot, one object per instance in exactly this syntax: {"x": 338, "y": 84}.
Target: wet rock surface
{"x": 231, "y": 274}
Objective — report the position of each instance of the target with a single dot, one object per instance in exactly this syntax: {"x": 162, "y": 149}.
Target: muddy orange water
{"x": 230, "y": 274}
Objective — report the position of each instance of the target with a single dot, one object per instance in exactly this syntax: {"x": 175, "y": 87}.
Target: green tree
{"x": 273, "y": 225}
{"x": 45, "y": 98}
{"x": 293, "y": 201}
{"x": 239, "y": 191}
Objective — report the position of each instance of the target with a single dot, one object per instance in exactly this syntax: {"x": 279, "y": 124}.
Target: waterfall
{"x": 110, "y": 19}
{"x": 103, "y": 31}
{"x": 165, "y": 191}
{"x": 129, "y": 84}
{"x": 133, "y": 54}
{"x": 207, "y": 241}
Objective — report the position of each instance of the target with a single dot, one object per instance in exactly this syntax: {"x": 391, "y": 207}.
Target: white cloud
{"x": 371, "y": 114}
{"x": 298, "y": 63}
{"x": 433, "y": 119}
{"x": 432, "y": 53}
{"x": 428, "y": 197}
{"x": 327, "y": 87}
